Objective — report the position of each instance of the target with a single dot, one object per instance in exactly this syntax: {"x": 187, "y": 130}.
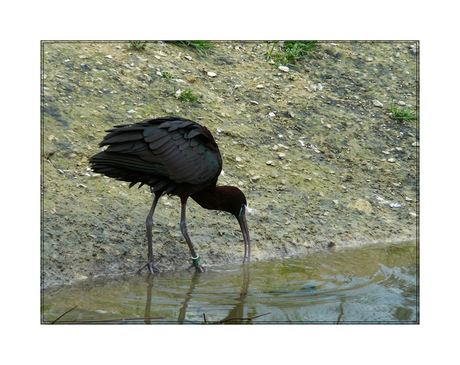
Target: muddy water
{"x": 368, "y": 284}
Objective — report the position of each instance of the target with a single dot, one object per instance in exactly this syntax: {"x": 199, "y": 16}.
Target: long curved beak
{"x": 244, "y": 229}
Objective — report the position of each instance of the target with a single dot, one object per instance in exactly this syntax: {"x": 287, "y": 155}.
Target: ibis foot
{"x": 152, "y": 268}
{"x": 197, "y": 267}
{"x": 196, "y": 264}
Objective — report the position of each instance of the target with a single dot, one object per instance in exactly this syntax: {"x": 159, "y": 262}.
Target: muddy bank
{"x": 315, "y": 150}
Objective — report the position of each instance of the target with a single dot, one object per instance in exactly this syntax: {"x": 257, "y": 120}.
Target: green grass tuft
{"x": 289, "y": 52}
{"x": 186, "y": 95}
{"x": 137, "y": 45}
{"x": 200, "y": 46}
{"x": 400, "y": 113}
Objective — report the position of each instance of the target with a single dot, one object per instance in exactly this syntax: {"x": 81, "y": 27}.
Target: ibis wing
{"x": 171, "y": 147}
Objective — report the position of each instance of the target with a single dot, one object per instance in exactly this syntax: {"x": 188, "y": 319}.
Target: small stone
{"x": 369, "y": 59}
{"x": 413, "y": 214}
{"x": 108, "y": 56}
{"x": 254, "y": 102}
{"x": 240, "y": 183}
{"x": 402, "y": 103}
{"x": 48, "y": 151}
{"x": 212, "y": 74}
{"x": 391, "y": 160}
{"x": 271, "y": 115}
{"x": 270, "y": 163}
{"x": 416, "y": 144}
{"x": 188, "y": 57}
{"x": 281, "y": 155}
{"x": 255, "y": 178}
{"x": 313, "y": 87}
{"x": 320, "y": 87}
{"x": 259, "y": 86}
{"x": 377, "y": 103}
{"x": 386, "y": 152}
{"x": 283, "y": 68}
{"x": 408, "y": 199}
{"x": 238, "y": 159}
{"x": 362, "y": 205}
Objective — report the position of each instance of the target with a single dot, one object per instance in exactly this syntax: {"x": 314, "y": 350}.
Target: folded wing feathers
{"x": 170, "y": 147}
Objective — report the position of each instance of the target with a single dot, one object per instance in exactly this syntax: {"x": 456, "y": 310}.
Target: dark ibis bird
{"x": 174, "y": 156}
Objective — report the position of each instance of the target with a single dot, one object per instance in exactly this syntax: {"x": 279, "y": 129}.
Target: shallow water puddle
{"x": 369, "y": 284}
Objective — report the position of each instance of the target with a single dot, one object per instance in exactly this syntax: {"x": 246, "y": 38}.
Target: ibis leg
{"x": 183, "y": 228}
{"x": 149, "y": 225}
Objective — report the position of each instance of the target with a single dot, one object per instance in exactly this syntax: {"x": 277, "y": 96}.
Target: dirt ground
{"x": 315, "y": 150}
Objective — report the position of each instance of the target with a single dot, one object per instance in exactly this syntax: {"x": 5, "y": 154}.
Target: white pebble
{"x": 377, "y": 103}
{"x": 212, "y": 74}
{"x": 283, "y": 68}
{"x": 271, "y": 114}
{"x": 259, "y": 86}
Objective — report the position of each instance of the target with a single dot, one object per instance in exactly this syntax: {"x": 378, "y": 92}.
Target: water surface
{"x": 375, "y": 284}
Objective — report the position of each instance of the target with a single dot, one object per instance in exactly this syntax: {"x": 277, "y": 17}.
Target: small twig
{"x": 244, "y": 319}
{"x": 62, "y": 315}
{"x": 233, "y": 319}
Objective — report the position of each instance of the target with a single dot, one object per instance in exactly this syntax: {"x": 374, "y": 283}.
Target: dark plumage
{"x": 173, "y": 156}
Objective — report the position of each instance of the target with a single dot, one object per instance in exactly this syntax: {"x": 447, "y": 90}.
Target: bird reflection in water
{"x": 234, "y": 316}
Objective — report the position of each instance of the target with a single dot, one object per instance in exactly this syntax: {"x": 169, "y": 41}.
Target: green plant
{"x": 289, "y": 52}
{"x": 400, "y": 113}
{"x": 167, "y": 74}
{"x": 186, "y": 95}
{"x": 138, "y": 45}
{"x": 200, "y": 46}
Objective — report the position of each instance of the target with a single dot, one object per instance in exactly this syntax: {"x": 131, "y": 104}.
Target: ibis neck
{"x": 213, "y": 198}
